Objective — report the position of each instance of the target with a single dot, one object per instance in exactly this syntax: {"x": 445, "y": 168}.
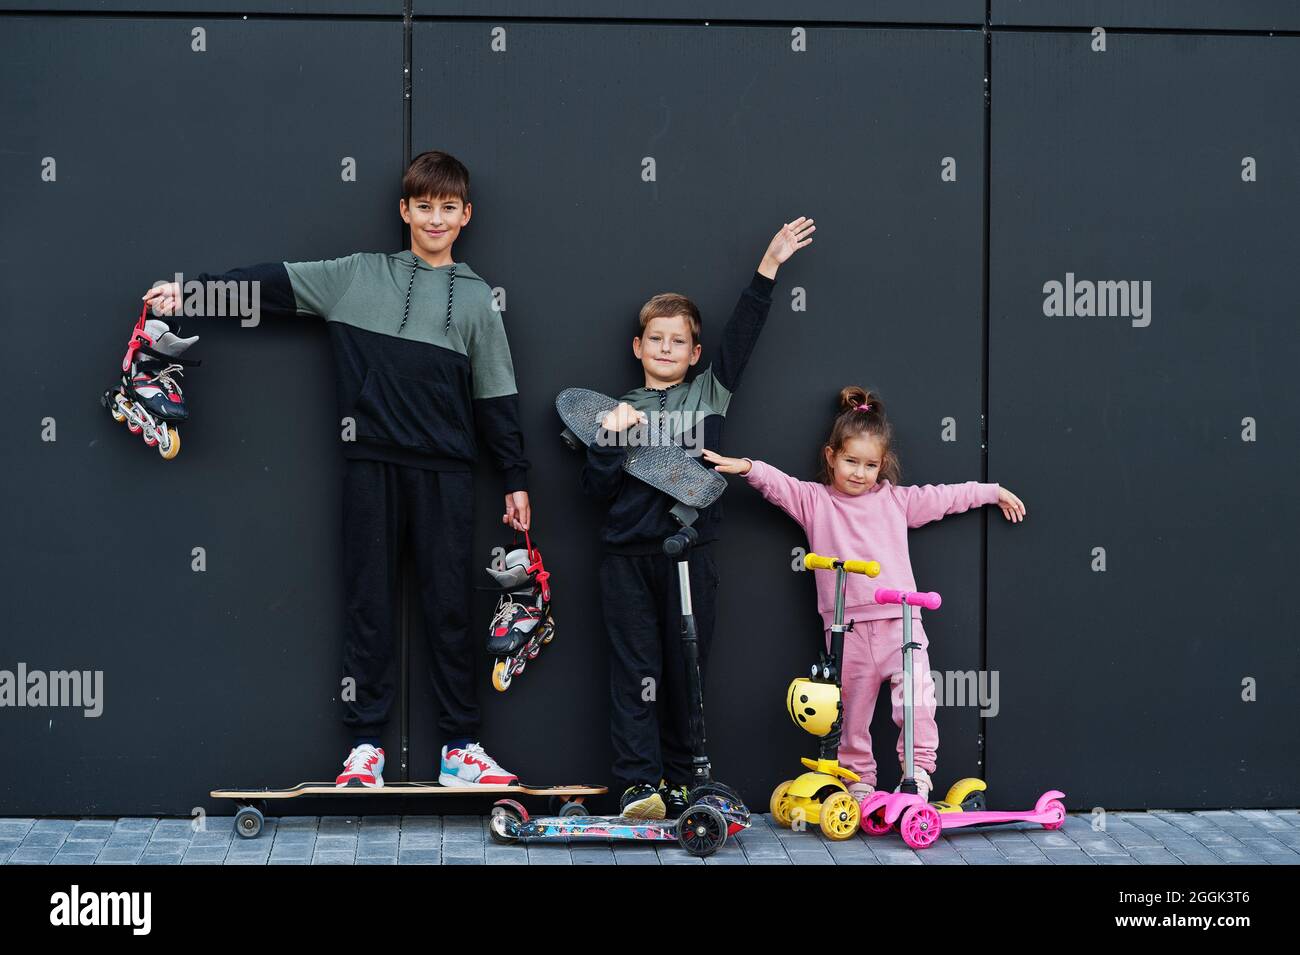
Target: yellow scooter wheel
{"x": 841, "y": 815}
{"x": 780, "y": 804}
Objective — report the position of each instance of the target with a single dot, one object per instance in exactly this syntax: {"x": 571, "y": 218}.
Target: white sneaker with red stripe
{"x": 363, "y": 767}
{"x": 472, "y": 767}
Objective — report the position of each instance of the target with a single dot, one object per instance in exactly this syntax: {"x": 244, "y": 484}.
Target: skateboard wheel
{"x": 248, "y": 822}
{"x": 701, "y": 830}
{"x": 840, "y": 817}
{"x": 573, "y": 809}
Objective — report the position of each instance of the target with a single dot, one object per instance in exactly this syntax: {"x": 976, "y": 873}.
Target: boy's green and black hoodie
{"x": 420, "y": 354}
{"x": 638, "y": 519}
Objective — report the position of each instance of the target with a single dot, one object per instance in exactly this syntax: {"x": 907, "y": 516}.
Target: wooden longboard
{"x": 404, "y": 789}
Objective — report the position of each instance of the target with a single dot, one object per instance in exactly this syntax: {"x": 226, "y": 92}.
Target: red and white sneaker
{"x": 472, "y": 767}
{"x": 363, "y": 767}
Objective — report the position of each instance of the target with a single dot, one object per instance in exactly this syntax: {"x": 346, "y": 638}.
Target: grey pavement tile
{"x": 784, "y": 860}
{"x": 419, "y": 856}
{"x": 463, "y": 860}
{"x": 37, "y": 839}
{"x": 161, "y": 858}
{"x": 984, "y": 857}
{"x": 421, "y": 824}
{"x": 1148, "y": 855}
{"x": 15, "y": 828}
{"x": 1117, "y": 860}
{"x": 902, "y": 856}
{"x": 135, "y": 824}
{"x": 1271, "y": 847}
{"x": 212, "y": 838}
{"x": 806, "y": 857}
{"x": 126, "y": 855}
{"x": 377, "y": 860}
{"x": 1069, "y": 857}
{"x": 204, "y": 855}
{"x": 1201, "y": 856}
{"x": 542, "y": 854}
{"x": 340, "y": 825}
{"x": 333, "y": 857}
{"x": 297, "y": 823}
{"x": 35, "y": 855}
{"x": 63, "y": 857}
{"x": 1264, "y": 818}
{"x": 1236, "y": 855}
{"x": 287, "y": 860}
{"x": 62, "y": 826}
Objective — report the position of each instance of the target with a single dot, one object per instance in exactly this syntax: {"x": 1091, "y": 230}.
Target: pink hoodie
{"x": 868, "y": 526}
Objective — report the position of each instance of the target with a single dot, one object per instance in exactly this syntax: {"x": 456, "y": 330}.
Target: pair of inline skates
{"x": 149, "y": 398}
{"x": 522, "y": 623}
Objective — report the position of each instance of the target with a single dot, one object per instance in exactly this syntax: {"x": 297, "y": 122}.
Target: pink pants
{"x": 873, "y": 655}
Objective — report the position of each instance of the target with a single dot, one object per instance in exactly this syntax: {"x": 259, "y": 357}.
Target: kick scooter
{"x": 714, "y": 811}
{"x": 818, "y": 797}
{"x": 920, "y": 823}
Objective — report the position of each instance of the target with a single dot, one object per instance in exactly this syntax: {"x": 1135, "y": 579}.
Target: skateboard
{"x": 566, "y": 800}
{"x": 665, "y": 466}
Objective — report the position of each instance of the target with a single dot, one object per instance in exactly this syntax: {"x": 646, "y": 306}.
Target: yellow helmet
{"x": 813, "y": 704}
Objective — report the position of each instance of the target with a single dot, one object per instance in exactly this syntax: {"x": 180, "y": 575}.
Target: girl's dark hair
{"x": 862, "y": 414}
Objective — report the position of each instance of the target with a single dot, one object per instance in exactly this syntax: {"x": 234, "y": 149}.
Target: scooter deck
{"x": 594, "y": 827}
{"x": 405, "y": 789}
{"x": 665, "y": 466}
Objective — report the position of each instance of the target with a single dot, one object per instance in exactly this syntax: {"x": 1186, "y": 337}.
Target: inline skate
{"x": 522, "y": 623}
{"x": 149, "y": 398}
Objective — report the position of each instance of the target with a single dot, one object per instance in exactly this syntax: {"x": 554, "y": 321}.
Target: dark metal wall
{"x": 1122, "y": 687}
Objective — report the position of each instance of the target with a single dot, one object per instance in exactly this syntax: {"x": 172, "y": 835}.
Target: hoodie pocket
{"x": 414, "y": 413}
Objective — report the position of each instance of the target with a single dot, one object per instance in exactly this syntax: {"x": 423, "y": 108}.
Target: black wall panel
{"x": 1124, "y": 687}
{"x": 178, "y": 161}
{"x": 1154, "y": 14}
{"x": 745, "y": 135}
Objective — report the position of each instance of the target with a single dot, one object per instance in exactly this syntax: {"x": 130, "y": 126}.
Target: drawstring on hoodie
{"x": 451, "y": 289}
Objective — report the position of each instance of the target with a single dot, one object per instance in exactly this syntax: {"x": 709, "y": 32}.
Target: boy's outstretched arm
{"x": 750, "y": 314}
{"x": 602, "y": 475}
{"x": 282, "y": 289}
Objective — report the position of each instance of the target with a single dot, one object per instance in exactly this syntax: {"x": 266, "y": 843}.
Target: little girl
{"x": 857, "y": 510}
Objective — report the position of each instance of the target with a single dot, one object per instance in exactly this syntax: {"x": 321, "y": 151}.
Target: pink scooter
{"x": 919, "y": 822}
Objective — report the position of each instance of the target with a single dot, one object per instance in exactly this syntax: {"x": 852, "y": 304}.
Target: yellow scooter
{"x": 819, "y": 797}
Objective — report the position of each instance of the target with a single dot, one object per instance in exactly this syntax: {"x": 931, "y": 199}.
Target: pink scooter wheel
{"x": 920, "y": 826}
{"x": 1055, "y": 806}
{"x": 874, "y": 824}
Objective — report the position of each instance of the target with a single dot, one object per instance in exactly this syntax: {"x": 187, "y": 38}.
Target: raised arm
{"x": 931, "y": 502}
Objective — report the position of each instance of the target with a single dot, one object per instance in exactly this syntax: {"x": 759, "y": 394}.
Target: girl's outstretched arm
{"x": 796, "y": 498}
{"x": 931, "y": 502}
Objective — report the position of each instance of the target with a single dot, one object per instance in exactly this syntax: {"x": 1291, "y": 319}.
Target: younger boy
{"x": 638, "y": 582}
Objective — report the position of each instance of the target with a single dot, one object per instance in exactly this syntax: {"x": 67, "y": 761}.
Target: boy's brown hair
{"x": 668, "y": 304}
{"x": 435, "y": 174}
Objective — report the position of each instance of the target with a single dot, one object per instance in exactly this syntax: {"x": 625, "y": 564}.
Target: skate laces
{"x": 166, "y": 376}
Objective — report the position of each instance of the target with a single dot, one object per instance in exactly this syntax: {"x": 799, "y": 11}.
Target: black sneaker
{"x": 676, "y": 799}
{"x": 642, "y": 801}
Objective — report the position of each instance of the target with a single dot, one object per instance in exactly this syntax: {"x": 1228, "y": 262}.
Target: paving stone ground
{"x": 1221, "y": 837}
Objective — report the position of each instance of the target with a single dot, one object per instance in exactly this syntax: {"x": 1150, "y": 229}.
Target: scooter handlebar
{"x": 927, "y": 599}
{"x": 870, "y": 568}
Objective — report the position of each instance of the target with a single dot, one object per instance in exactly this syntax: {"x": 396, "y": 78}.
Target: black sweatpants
{"x": 649, "y": 702}
{"x": 383, "y": 503}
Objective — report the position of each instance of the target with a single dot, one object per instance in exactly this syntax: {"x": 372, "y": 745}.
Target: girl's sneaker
{"x": 472, "y": 767}
{"x": 860, "y": 791}
{"x": 676, "y": 799}
{"x": 923, "y": 784}
{"x": 642, "y": 802}
{"x": 363, "y": 767}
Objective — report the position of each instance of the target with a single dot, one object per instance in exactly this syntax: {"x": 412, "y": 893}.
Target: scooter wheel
{"x": 701, "y": 830}
{"x": 780, "y": 804}
{"x": 920, "y": 826}
{"x": 840, "y": 817}
{"x": 505, "y": 814}
{"x": 501, "y": 676}
{"x": 874, "y": 824}
{"x": 1058, "y": 807}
